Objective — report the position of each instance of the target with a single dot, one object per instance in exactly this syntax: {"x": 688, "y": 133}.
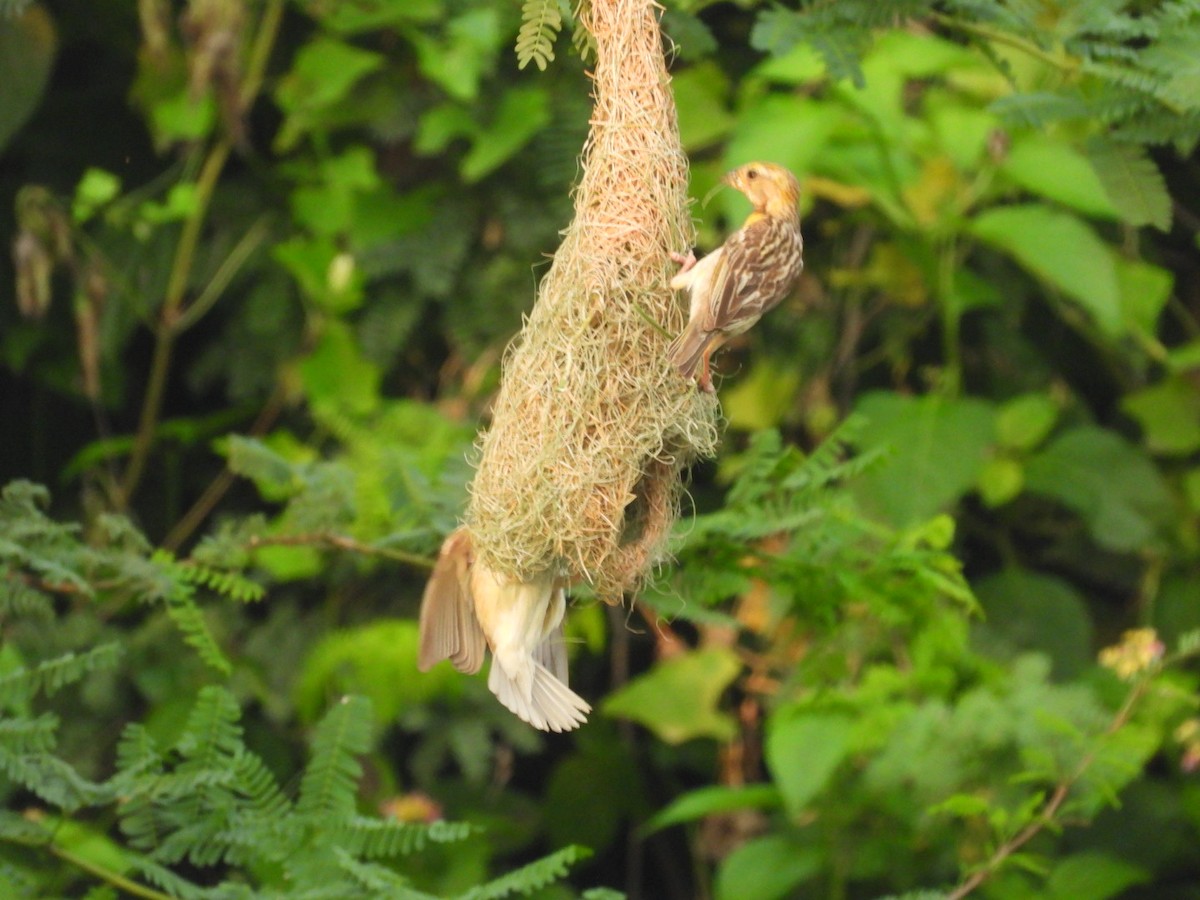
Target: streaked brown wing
{"x": 761, "y": 262}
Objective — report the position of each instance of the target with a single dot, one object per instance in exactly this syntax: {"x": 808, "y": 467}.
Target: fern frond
{"x": 1036, "y": 110}
{"x": 330, "y": 781}
{"x": 178, "y": 598}
{"x": 213, "y": 735}
{"x": 377, "y": 880}
{"x": 52, "y": 675}
{"x": 1151, "y": 84}
{"x": 227, "y": 583}
{"x": 257, "y": 784}
{"x": 582, "y": 38}
{"x": 541, "y": 22}
{"x": 532, "y": 877}
{"x": 29, "y": 735}
{"x": 20, "y": 600}
{"x": 1133, "y": 183}
{"x": 383, "y": 838}
{"x": 53, "y": 780}
{"x": 164, "y": 878}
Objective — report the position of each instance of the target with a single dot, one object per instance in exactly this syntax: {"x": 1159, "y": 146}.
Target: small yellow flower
{"x": 1188, "y": 730}
{"x": 1139, "y": 650}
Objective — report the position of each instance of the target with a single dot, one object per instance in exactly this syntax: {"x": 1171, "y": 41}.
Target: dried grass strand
{"x": 580, "y": 469}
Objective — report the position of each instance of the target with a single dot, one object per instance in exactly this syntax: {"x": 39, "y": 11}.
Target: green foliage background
{"x": 265, "y": 259}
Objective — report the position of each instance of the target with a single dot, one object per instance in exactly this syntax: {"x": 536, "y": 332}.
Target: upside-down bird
{"x": 748, "y": 275}
{"x": 467, "y": 607}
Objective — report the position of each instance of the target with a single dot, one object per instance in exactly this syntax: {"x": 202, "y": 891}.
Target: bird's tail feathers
{"x": 550, "y": 704}
{"x": 687, "y": 350}
{"x": 449, "y": 629}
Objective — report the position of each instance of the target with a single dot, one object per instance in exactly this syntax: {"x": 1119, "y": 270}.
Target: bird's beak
{"x": 731, "y": 178}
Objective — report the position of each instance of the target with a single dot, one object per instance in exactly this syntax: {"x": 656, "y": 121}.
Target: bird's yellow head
{"x": 772, "y": 189}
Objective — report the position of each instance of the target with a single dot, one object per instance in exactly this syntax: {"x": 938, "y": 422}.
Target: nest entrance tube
{"x": 579, "y": 473}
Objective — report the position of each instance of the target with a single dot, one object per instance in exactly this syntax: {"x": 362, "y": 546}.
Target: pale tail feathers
{"x": 550, "y": 704}
{"x": 552, "y": 653}
{"x": 449, "y": 629}
{"x": 687, "y": 351}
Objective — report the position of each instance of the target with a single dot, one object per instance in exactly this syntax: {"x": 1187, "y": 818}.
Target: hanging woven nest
{"x": 579, "y": 473}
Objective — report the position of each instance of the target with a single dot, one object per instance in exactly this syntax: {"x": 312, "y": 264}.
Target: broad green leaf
{"x": 700, "y": 97}
{"x": 1109, "y": 482}
{"x": 283, "y": 563}
{"x": 691, "y": 37}
{"x": 1024, "y": 422}
{"x": 322, "y": 74}
{"x": 799, "y": 65}
{"x": 95, "y": 189}
{"x": 1169, "y": 414}
{"x": 678, "y": 699}
{"x": 936, "y": 448}
{"x": 962, "y": 131}
{"x": 352, "y": 18}
{"x": 441, "y": 124}
{"x": 336, "y": 377}
{"x": 1061, "y": 250}
{"x": 717, "y": 798}
{"x": 327, "y": 207}
{"x": 1133, "y": 183}
{"x": 1092, "y": 876}
{"x": 1145, "y": 290}
{"x": 177, "y": 117}
{"x": 1052, "y": 168}
{"x": 326, "y": 274}
{"x": 767, "y": 868}
{"x": 803, "y": 749}
{"x": 1029, "y": 611}
{"x": 522, "y": 114}
{"x": 1000, "y": 481}
{"x": 762, "y": 397}
{"x": 1176, "y": 612}
{"x": 788, "y": 129}
{"x": 467, "y": 50}
{"x": 377, "y": 661}
{"x": 1185, "y": 357}
{"x": 591, "y": 792}
{"x": 27, "y": 46}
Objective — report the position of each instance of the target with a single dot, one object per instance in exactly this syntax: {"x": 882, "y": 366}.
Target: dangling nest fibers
{"x": 580, "y": 470}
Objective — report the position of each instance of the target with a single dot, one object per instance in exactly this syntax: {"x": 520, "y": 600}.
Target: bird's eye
{"x": 751, "y": 173}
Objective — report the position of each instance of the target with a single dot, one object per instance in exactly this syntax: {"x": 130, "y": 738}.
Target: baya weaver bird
{"x": 748, "y": 275}
{"x": 468, "y": 608}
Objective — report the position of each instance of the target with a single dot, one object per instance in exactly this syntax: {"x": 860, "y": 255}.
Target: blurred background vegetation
{"x": 265, "y": 260}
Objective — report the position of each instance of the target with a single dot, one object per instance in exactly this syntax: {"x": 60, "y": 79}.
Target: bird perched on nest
{"x": 468, "y": 607}
{"x": 748, "y": 275}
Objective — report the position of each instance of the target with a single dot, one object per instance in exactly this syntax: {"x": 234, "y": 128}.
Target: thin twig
{"x": 116, "y": 879}
{"x": 1067, "y": 65}
{"x": 339, "y": 542}
{"x": 169, "y": 318}
{"x": 232, "y": 263}
{"x": 1051, "y": 807}
{"x": 212, "y": 495}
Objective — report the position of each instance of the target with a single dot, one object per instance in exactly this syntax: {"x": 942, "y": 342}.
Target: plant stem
{"x": 951, "y": 318}
{"x": 1009, "y": 40}
{"x": 166, "y": 330}
{"x": 339, "y": 542}
{"x": 1051, "y": 807}
{"x": 171, "y": 315}
{"x": 116, "y": 879}
{"x": 225, "y": 273}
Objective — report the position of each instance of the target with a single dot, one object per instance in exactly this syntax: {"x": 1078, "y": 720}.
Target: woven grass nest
{"x": 580, "y": 471}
